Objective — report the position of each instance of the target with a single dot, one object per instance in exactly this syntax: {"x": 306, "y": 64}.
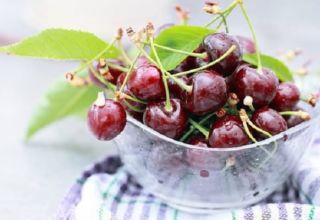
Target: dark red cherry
{"x": 137, "y": 115}
{"x": 187, "y": 64}
{"x": 106, "y": 120}
{"x": 218, "y": 44}
{"x": 287, "y": 97}
{"x": 171, "y": 124}
{"x": 246, "y": 44}
{"x": 146, "y": 83}
{"x": 175, "y": 90}
{"x": 141, "y": 61}
{"x": 269, "y": 120}
{"x": 199, "y": 141}
{"x": 209, "y": 93}
{"x": 262, "y": 87}
{"x": 227, "y": 132}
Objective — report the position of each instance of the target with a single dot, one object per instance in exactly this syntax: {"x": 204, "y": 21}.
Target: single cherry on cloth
{"x": 106, "y": 119}
{"x": 146, "y": 83}
{"x": 246, "y": 44}
{"x": 227, "y": 132}
{"x": 171, "y": 124}
{"x": 175, "y": 90}
{"x": 209, "y": 93}
{"x": 261, "y": 86}
{"x": 218, "y": 44}
{"x": 269, "y": 120}
{"x": 287, "y": 97}
{"x": 137, "y": 115}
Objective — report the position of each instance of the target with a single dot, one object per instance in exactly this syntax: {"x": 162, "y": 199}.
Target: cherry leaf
{"x": 181, "y": 37}
{"x": 61, "y": 44}
{"x": 60, "y": 101}
{"x": 277, "y": 66}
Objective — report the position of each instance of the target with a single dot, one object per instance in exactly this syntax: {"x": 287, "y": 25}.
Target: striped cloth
{"x": 107, "y": 191}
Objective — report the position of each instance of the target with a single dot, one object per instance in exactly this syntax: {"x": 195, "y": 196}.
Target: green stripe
{"x": 105, "y": 194}
{"x": 175, "y": 214}
{"x": 311, "y": 215}
{"x": 234, "y": 217}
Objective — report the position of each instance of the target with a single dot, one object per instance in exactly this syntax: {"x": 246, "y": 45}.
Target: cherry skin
{"x": 141, "y": 61}
{"x": 135, "y": 114}
{"x": 269, "y": 120}
{"x": 246, "y": 44}
{"x": 106, "y": 121}
{"x": 198, "y": 140}
{"x": 227, "y": 132}
{"x": 146, "y": 83}
{"x": 175, "y": 90}
{"x": 171, "y": 124}
{"x": 209, "y": 93}
{"x": 218, "y": 44}
{"x": 262, "y": 87}
{"x": 287, "y": 97}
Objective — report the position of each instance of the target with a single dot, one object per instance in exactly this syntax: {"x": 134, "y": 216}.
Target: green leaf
{"x": 182, "y": 37}
{"x": 278, "y": 67}
{"x": 61, "y": 44}
{"x": 60, "y": 101}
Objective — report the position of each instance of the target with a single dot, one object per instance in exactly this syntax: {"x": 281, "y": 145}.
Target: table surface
{"x": 36, "y": 175}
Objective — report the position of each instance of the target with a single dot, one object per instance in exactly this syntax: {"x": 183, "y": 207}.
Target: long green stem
{"x": 259, "y": 129}
{"x": 117, "y": 67}
{"x": 245, "y": 14}
{"x": 129, "y": 73}
{"x": 228, "y": 9}
{"x": 124, "y": 53}
{"x": 204, "y": 131}
{"x": 191, "y": 129}
{"x": 199, "y": 55}
{"x": 133, "y": 108}
{"x": 168, "y": 106}
{"x": 169, "y": 75}
{"x": 86, "y": 64}
{"x": 224, "y": 21}
{"x": 102, "y": 80}
{"x": 227, "y": 53}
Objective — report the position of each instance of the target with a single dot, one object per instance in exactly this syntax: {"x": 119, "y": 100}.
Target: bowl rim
{"x": 288, "y": 132}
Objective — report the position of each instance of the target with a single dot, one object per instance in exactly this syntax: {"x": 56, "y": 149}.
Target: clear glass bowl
{"x": 208, "y": 179}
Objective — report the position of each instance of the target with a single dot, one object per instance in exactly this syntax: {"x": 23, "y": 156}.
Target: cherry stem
{"x": 199, "y": 55}
{"x": 98, "y": 56}
{"x": 133, "y": 108}
{"x": 192, "y": 128}
{"x": 302, "y": 114}
{"x": 117, "y": 67}
{"x": 173, "y": 77}
{"x": 203, "y": 130}
{"x": 168, "y": 106}
{"x": 224, "y": 21}
{"x": 246, "y": 129}
{"x": 254, "y": 36}
{"x": 258, "y": 129}
{"x": 229, "y": 51}
{"x": 129, "y": 73}
{"x": 124, "y": 54}
{"x": 102, "y": 80}
{"x": 227, "y": 11}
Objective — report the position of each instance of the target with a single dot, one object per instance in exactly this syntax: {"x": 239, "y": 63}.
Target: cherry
{"x": 218, "y": 44}
{"x": 262, "y": 87}
{"x": 171, "y": 124}
{"x": 135, "y": 114}
{"x": 269, "y": 120}
{"x": 199, "y": 141}
{"x": 287, "y": 97}
{"x": 175, "y": 90}
{"x": 106, "y": 120}
{"x": 246, "y": 44}
{"x": 142, "y": 60}
{"x": 209, "y": 93}
{"x": 227, "y": 132}
{"x": 146, "y": 83}
{"x": 187, "y": 64}
{"x": 112, "y": 74}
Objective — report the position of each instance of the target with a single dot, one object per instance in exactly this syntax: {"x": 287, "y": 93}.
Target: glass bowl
{"x": 207, "y": 179}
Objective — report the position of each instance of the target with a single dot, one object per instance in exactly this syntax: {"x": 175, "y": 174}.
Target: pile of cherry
{"x": 241, "y": 103}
